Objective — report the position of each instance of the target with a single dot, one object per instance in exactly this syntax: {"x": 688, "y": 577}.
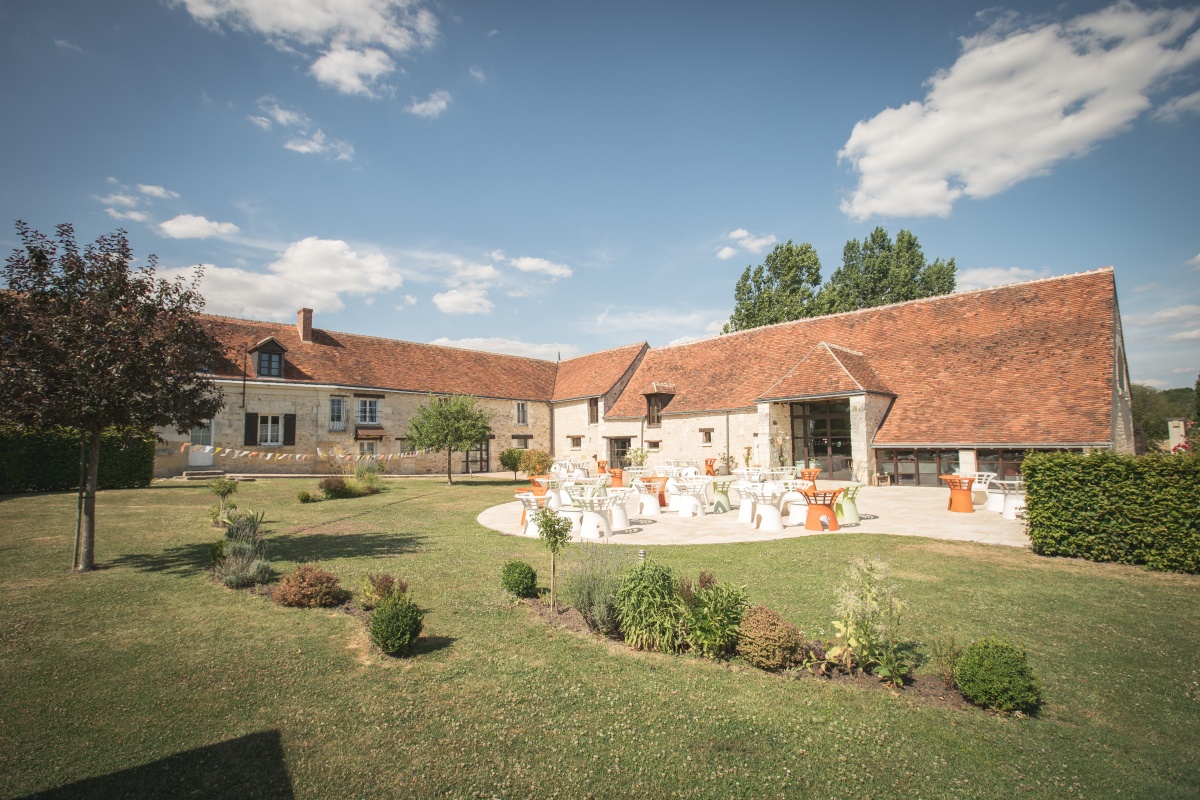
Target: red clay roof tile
{"x": 594, "y": 374}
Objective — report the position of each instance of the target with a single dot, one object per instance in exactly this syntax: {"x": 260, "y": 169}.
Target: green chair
{"x": 846, "y": 509}
{"x": 721, "y": 502}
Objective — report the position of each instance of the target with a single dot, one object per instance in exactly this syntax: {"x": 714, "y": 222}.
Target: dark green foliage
{"x": 334, "y": 487}
{"x": 712, "y": 613}
{"x": 48, "y": 459}
{"x": 768, "y": 641}
{"x": 305, "y": 496}
{"x": 650, "y": 612}
{"x": 309, "y": 587}
{"x": 995, "y": 674}
{"x": 510, "y": 459}
{"x": 878, "y": 271}
{"x": 395, "y": 624}
{"x": 518, "y": 578}
{"x": 1114, "y": 507}
{"x": 592, "y": 581}
{"x": 781, "y": 289}
{"x": 1152, "y": 409}
{"x": 456, "y": 422}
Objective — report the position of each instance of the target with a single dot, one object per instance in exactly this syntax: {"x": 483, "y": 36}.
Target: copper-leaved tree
{"x": 89, "y": 341}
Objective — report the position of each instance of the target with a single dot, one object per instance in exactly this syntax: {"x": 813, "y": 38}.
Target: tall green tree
{"x": 782, "y": 288}
{"x": 878, "y": 271}
{"x": 453, "y": 423}
{"x": 89, "y": 342}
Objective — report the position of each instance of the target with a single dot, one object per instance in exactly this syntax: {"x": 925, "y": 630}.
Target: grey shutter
{"x": 289, "y": 429}
{"x": 251, "y": 439}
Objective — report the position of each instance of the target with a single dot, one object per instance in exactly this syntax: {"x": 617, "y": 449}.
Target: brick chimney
{"x": 304, "y": 324}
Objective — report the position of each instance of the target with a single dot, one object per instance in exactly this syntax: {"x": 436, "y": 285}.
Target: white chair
{"x": 979, "y": 489}
{"x": 530, "y": 502}
{"x": 647, "y": 501}
{"x": 595, "y": 524}
{"x": 995, "y": 500}
{"x": 620, "y": 515}
{"x": 692, "y": 501}
{"x": 746, "y": 502}
{"x": 793, "y": 503}
{"x": 1014, "y": 505}
{"x": 767, "y": 516}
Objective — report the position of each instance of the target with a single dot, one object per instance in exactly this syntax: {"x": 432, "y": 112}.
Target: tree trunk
{"x": 87, "y": 543}
{"x": 79, "y": 503}
{"x": 553, "y": 594}
{"x": 450, "y": 465}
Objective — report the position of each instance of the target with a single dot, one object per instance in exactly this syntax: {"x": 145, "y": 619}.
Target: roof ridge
{"x": 845, "y": 369}
{"x": 934, "y": 299}
{"x": 606, "y": 350}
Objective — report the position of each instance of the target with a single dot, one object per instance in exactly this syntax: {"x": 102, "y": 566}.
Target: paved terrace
{"x": 900, "y": 511}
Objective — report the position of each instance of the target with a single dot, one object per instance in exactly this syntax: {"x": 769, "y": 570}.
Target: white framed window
{"x": 337, "y": 413}
{"x": 270, "y": 429}
{"x": 522, "y": 413}
{"x": 576, "y": 442}
{"x": 202, "y": 434}
{"x": 368, "y": 411}
{"x": 366, "y": 448}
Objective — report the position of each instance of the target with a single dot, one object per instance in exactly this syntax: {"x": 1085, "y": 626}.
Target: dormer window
{"x": 654, "y": 405}
{"x": 268, "y": 358}
{"x": 270, "y": 365}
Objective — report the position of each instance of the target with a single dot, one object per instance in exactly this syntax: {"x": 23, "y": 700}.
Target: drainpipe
{"x": 726, "y": 435}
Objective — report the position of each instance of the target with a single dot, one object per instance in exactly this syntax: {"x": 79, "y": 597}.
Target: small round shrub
{"x": 308, "y": 587}
{"x": 305, "y": 496}
{"x": 334, "y": 487}
{"x": 395, "y": 624}
{"x": 768, "y": 641}
{"x": 995, "y": 674}
{"x": 650, "y": 611}
{"x": 518, "y": 578}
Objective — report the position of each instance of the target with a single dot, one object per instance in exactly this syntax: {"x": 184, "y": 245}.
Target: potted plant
{"x": 637, "y": 456}
{"x": 536, "y": 464}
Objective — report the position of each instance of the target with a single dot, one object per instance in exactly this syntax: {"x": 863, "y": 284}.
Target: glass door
{"x": 821, "y": 438}
{"x": 618, "y": 453}
{"x": 476, "y": 458}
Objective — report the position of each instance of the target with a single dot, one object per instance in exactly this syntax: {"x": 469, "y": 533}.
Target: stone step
{"x": 202, "y": 474}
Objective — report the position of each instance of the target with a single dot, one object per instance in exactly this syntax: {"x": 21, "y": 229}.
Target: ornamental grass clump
{"x": 768, "y": 641}
{"x": 309, "y": 587}
{"x": 240, "y": 557}
{"x": 869, "y": 612}
{"x": 335, "y": 487}
{"x": 518, "y": 578}
{"x": 591, "y": 583}
{"x": 650, "y": 612}
{"x": 396, "y": 624}
{"x": 996, "y": 674}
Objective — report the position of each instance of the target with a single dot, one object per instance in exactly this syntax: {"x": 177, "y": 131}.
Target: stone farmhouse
{"x": 901, "y": 393}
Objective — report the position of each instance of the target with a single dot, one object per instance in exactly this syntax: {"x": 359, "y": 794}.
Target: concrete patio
{"x": 900, "y": 511}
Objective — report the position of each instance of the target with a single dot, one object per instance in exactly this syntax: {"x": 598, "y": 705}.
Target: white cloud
{"x": 118, "y": 199}
{"x": 1016, "y": 102}
{"x": 354, "y": 37}
{"x": 746, "y": 242}
{"x": 131, "y": 216}
{"x": 477, "y": 74}
{"x": 1184, "y": 371}
{"x": 63, "y": 44}
{"x": 1194, "y": 262}
{"x": 352, "y": 71}
{"x": 512, "y": 347}
{"x": 1146, "y": 287}
{"x": 1172, "y": 110}
{"x": 726, "y": 253}
{"x": 190, "y": 226}
{"x": 1176, "y": 315}
{"x": 541, "y": 266}
{"x": 157, "y": 191}
{"x": 311, "y": 273}
{"x": 1157, "y": 384}
{"x": 987, "y": 277}
{"x": 471, "y": 300}
{"x": 407, "y": 301}
{"x": 280, "y": 114}
{"x": 654, "y": 319}
{"x": 261, "y": 122}
{"x": 317, "y": 143}
{"x": 465, "y": 272}
{"x": 431, "y": 108}
{"x": 1185, "y": 336}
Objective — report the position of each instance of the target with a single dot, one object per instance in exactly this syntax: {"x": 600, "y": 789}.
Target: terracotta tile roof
{"x": 827, "y": 370}
{"x": 352, "y": 360}
{"x": 1022, "y": 364}
{"x": 596, "y": 373}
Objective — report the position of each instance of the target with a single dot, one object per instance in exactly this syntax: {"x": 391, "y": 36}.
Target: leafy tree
{"x": 878, "y": 271}
{"x": 89, "y": 342}
{"x": 511, "y": 459}
{"x": 781, "y": 289}
{"x": 449, "y": 423}
{"x": 555, "y": 530}
{"x": 1152, "y": 409}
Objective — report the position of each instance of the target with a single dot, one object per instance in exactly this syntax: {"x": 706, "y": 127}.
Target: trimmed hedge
{"x": 1114, "y": 507}
{"x": 48, "y": 460}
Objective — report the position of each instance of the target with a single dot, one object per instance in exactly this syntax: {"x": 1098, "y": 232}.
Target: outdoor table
{"x": 657, "y": 484}
{"x": 747, "y": 473}
{"x": 552, "y": 487}
{"x": 595, "y": 516}
{"x": 793, "y": 495}
{"x": 820, "y": 504}
{"x": 530, "y": 503}
{"x": 620, "y": 515}
{"x": 809, "y": 474}
{"x": 721, "y": 486}
{"x": 960, "y": 493}
{"x": 847, "y": 506}
{"x": 767, "y": 516}
{"x": 747, "y": 501}
{"x": 781, "y": 473}
{"x": 596, "y": 484}
{"x": 692, "y": 497}
{"x": 1014, "y": 497}
{"x": 633, "y": 473}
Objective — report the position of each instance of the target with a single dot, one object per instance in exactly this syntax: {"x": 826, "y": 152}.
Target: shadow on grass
{"x": 189, "y": 559}
{"x": 430, "y": 644}
{"x": 247, "y": 767}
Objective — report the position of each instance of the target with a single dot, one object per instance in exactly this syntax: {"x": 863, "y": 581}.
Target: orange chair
{"x": 657, "y": 484}
{"x": 821, "y": 504}
{"x": 710, "y": 466}
{"x": 809, "y": 474}
{"x": 960, "y": 493}
{"x": 602, "y": 467}
{"x": 618, "y": 477}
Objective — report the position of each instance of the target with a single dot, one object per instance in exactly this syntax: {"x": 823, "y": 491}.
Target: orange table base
{"x": 960, "y": 493}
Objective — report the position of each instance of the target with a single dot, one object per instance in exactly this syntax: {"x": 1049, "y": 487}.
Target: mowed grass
{"x": 146, "y": 659}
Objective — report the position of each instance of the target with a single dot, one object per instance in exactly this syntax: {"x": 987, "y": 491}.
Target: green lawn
{"x": 146, "y": 675}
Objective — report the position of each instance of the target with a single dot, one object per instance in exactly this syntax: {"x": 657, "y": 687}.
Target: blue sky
{"x": 545, "y": 178}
